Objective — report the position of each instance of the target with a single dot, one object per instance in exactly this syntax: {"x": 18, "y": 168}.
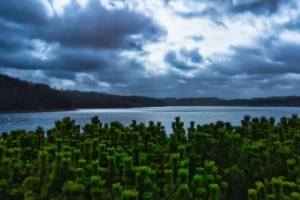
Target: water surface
{"x": 165, "y": 115}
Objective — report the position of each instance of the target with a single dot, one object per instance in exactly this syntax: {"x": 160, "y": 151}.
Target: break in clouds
{"x": 156, "y": 48}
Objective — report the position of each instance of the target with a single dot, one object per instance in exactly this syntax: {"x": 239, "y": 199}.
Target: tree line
{"x": 18, "y": 95}
{"x": 290, "y": 101}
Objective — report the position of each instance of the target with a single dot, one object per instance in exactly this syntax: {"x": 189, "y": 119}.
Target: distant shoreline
{"x": 74, "y": 109}
{"x": 34, "y": 111}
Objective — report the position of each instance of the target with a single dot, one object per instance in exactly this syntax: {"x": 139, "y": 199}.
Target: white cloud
{"x": 82, "y": 3}
{"x": 38, "y": 74}
{"x": 43, "y": 51}
{"x": 58, "y": 5}
{"x": 290, "y": 36}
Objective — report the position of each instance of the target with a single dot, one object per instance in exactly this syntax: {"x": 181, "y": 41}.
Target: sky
{"x": 157, "y": 48}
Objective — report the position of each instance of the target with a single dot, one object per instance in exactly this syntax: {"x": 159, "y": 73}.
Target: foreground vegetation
{"x": 257, "y": 160}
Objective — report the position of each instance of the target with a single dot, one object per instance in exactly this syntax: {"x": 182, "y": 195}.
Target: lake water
{"x": 165, "y": 115}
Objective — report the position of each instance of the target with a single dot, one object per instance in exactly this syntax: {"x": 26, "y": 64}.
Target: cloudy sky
{"x": 157, "y": 48}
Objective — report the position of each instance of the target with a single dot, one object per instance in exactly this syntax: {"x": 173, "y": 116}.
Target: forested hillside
{"x": 102, "y": 100}
{"x": 16, "y": 94}
{"x": 214, "y": 101}
{"x": 19, "y": 95}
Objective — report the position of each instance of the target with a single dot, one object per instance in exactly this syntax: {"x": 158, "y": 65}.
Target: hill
{"x": 213, "y": 101}
{"x": 20, "y": 95}
{"x": 81, "y": 99}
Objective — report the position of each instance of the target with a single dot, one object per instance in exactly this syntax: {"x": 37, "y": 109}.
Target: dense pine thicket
{"x": 16, "y": 95}
{"x": 257, "y": 160}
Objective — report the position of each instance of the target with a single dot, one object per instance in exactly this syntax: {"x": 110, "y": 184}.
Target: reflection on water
{"x": 165, "y": 115}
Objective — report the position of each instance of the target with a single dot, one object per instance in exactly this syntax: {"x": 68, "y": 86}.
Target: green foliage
{"x": 169, "y": 187}
{"x": 257, "y": 160}
{"x": 73, "y": 190}
{"x": 116, "y": 191}
{"x": 214, "y": 192}
{"x": 98, "y": 189}
{"x": 183, "y": 192}
{"x": 252, "y": 194}
{"x": 129, "y": 195}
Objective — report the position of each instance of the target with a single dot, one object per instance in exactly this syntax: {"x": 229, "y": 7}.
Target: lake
{"x": 165, "y": 115}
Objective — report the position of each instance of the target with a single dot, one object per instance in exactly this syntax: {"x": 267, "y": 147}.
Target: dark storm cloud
{"x": 158, "y": 86}
{"x": 65, "y": 59}
{"x": 257, "y": 6}
{"x": 93, "y": 26}
{"x": 82, "y": 60}
{"x": 9, "y": 44}
{"x": 210, "y": 12}
{"x": 22, "y": 60}
{"x": 205, "y": 12}
{"x": 85, "y": 39}
{"x": 172, "y": 59}
{"x": 216, "y": 10}
{"x": 12, "y": 37}
{"x": 166, "y": 2}
{"x": 61, "y": 74}
{"x": 288, "y": 54}
{"x": 193, "y": 55}
{"x": 122, "y": 71}
{"x": 293, "y": 24}
{"x": 278, "y": 58}
{"x": 202, "y": 85}
{"x": 88, "y": 81}
{"x": 24, "y": 12}
{"x": 196, "y": 38}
